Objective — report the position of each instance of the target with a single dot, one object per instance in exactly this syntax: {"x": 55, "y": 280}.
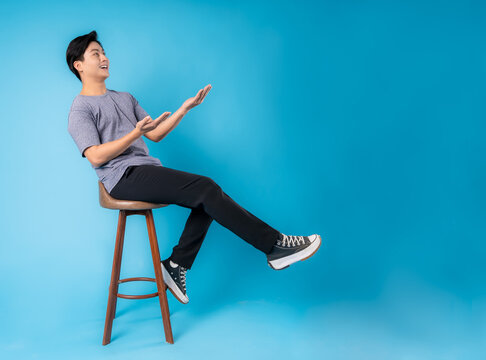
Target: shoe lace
{"x": 292, "y": 240}
{"x": 183, "y": 276}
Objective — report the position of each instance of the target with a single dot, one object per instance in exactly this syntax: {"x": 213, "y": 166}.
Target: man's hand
{"x": 196, "y": 100}
{"x": 147, "y": 124}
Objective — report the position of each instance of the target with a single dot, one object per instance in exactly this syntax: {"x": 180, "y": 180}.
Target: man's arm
{"x": 161, "y": 131}
{"x": 166, "y": 126}
{"x": 100, "y": 154}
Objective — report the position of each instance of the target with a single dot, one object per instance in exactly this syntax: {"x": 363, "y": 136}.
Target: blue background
{"x": 363, "y": 121}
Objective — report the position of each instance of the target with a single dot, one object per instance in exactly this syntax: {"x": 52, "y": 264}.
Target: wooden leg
{"x": 161, "y": 287}
{"x": 115, "y": 276}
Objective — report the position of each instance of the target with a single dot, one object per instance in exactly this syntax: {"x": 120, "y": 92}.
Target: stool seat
{"x": 109, "y": 202}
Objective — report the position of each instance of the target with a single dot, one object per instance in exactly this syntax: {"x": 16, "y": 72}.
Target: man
{"x": 107, "y": 127}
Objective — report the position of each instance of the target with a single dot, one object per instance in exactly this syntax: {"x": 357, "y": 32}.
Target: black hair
{"x": 76, "y": 49}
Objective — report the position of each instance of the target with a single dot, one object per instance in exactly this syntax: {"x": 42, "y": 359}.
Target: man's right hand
{"x": 147, "y": 124}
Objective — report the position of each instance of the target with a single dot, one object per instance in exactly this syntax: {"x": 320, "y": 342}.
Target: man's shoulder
{"x": 80, "y": 103}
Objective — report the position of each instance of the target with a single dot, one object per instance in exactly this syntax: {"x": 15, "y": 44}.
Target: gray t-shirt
{"x": 95, "y": 120}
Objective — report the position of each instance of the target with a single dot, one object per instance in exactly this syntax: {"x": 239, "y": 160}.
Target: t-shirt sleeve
{"x": 140, "y": 113}
{"x": 83, "y": 129}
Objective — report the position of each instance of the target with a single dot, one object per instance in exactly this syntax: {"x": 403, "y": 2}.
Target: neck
{"x": 93, "y": 88}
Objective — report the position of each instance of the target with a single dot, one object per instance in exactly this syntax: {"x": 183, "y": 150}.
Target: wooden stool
{"x": 127, "y": 208}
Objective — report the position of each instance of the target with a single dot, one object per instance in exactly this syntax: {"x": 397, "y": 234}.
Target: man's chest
{"x": 114, "y": 120}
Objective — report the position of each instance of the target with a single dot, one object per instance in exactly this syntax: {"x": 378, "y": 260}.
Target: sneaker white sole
{"x": 174, "y": 289}
{"x": 279, "y": 264}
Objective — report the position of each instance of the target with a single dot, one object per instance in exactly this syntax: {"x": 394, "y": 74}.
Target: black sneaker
{"x": 292, "y": 248}
{"x": 175, "y": 278}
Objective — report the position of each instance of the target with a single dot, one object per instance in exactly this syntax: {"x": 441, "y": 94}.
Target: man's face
{"x": 94, "y": 59}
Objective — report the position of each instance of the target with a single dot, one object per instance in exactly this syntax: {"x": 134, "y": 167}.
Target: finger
{"x": 206, "y": 92}
{"x": 154, "y": 122}
{"x": 207, "y": 88}
{"x": 163, "y": 116}
{"x": 157, "y": 122}
{"x": 199, "y": 94}
{"x": 203, "y": 94}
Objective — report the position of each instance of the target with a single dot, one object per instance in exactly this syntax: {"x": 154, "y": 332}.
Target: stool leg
{"x": 115, "y": 276}
{"x": 161, "y": 287}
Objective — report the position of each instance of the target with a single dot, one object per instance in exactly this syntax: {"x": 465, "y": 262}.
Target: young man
{"x": 107, "y": 127}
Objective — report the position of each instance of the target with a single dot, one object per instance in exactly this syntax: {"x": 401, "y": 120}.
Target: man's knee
{"x": 211, "y": 188}
{"x": 209, "y": 182}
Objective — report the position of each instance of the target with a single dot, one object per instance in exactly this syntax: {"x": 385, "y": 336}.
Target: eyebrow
{"x": 96, "y": 50}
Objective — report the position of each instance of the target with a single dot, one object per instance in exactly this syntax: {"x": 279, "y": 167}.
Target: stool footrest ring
{"x": 146, "y": 296}
{"x": 136, "y": 279}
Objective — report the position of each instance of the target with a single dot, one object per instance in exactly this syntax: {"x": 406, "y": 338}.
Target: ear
{"x": 77, "y": 65}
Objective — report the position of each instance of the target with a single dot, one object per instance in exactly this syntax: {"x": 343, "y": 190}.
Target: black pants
{"x": 163, "y": 185}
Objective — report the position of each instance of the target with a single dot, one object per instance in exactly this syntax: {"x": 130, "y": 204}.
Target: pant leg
{"x": 197, "y": 225}
{"x": 170, "y": 186}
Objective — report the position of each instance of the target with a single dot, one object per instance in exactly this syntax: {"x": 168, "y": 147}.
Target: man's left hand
{"x": 196, "y": 100}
